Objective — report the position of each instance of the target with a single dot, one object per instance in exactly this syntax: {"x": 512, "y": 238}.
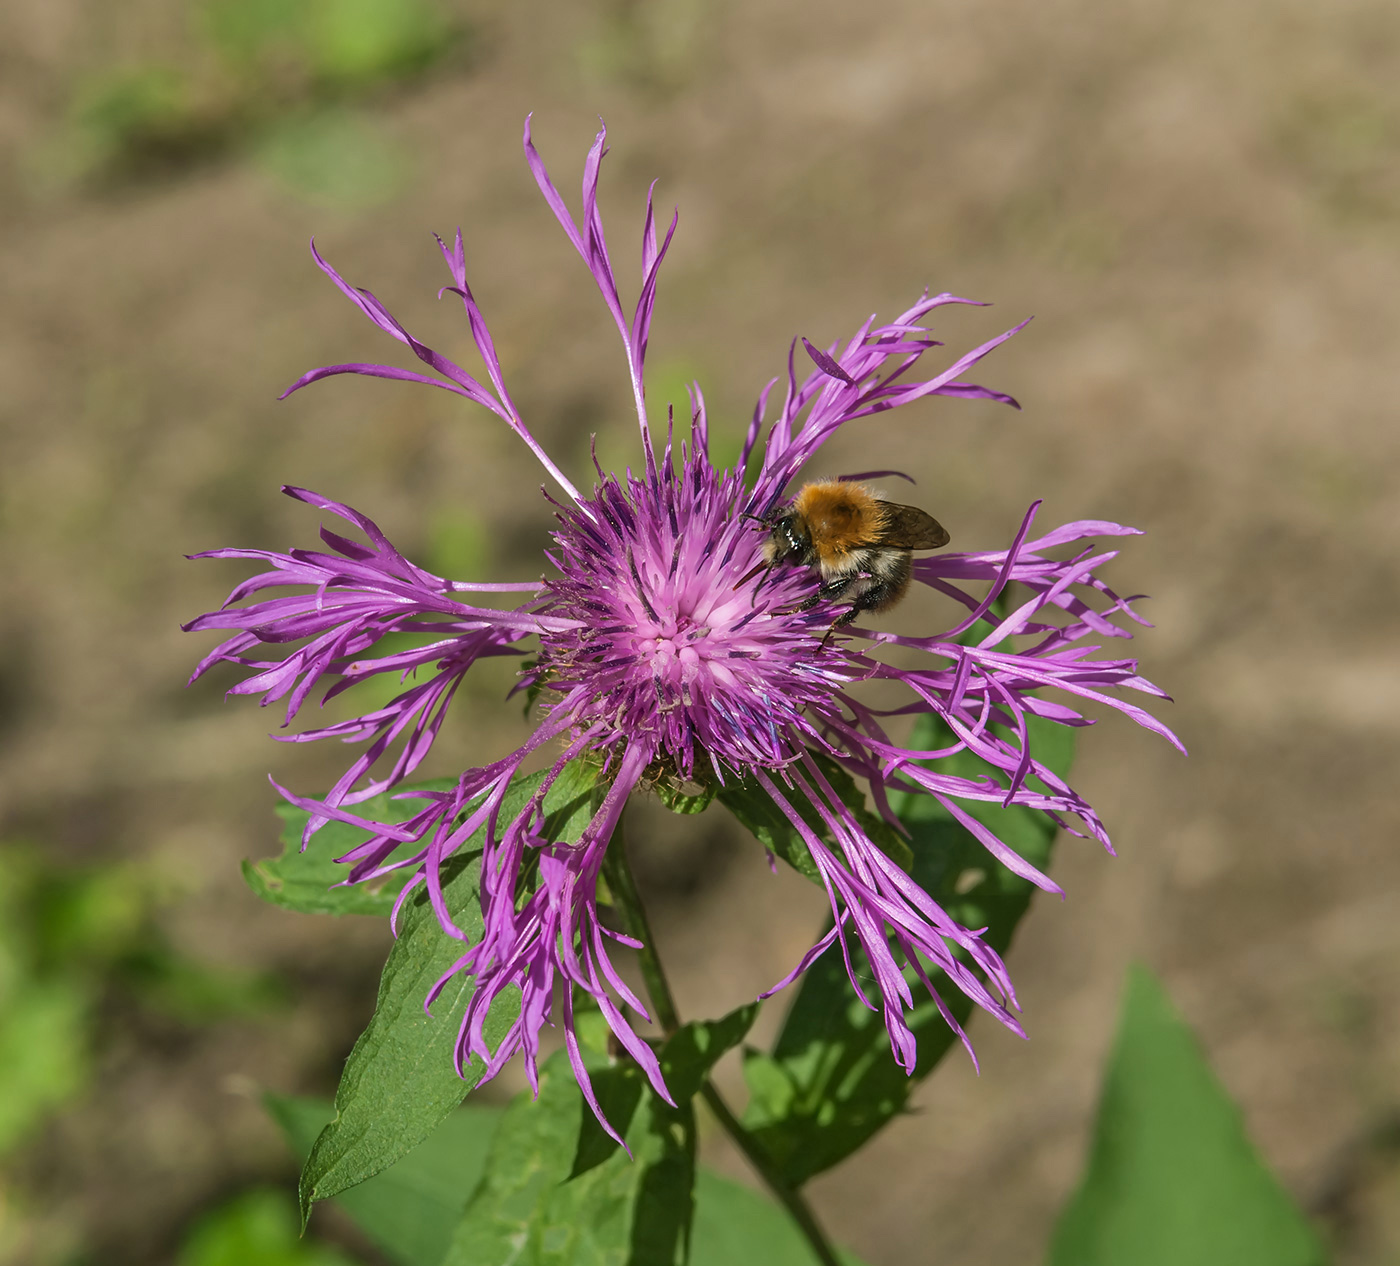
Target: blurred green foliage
{"x": 668, "y": 387}
{"x": 1345, "y": 144}
{"x": 129, "y": 111}
{"x": 43, "y": 1053}
{"x": 276, "y": 77}
{"x": 257, "y": 1228}
{"x": 366, "y": 42}
{"x": 334, "y": 158}
{"x": 656, "y": 46}
{"x": 459, "y": 544}
{"x": 76, "y": 943}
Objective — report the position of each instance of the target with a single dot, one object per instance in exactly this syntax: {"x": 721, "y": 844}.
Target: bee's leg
{"x": 862, "y": 583}
{"x": 840, "y": 622}
{"x": 878, "y": 590}
{"x": 828, "y": 590}
{"x": 886, "y": 585}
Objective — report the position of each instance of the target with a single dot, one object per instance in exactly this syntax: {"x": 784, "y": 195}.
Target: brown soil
{"x": 1198, "y": 202}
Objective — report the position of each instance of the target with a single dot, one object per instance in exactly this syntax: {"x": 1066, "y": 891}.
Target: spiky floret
{"x": 664, "y": 649}
{"x": 661, "y": 639}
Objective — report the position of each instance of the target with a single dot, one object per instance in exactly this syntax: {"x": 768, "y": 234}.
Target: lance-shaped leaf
{"x": 686, "y": 1059}
{"x": 306, "y": 879}
{"x": 530, "y": 1211}
{"x": 1172, "y": 1177}
{"x": 831, "y": 1081}
{"x": 558, "y": 1190}
{"x": 400, "y": 1080}
{"x": 410, "y": 1209}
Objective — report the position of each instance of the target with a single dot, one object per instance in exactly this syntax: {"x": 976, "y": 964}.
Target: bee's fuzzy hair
{"x": 842, "y": 517}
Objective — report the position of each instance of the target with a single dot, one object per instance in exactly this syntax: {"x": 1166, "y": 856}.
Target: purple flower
{"x": 661, "y": 644}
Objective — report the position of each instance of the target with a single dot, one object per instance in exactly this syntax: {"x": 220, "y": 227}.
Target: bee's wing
{"x": 911, "y": 528}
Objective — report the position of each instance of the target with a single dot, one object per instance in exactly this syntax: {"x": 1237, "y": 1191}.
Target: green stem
{"x": 787, "y": 1195}
{"x": 629, "y": 904}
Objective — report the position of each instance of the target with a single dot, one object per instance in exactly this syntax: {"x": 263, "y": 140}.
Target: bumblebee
{"x": 861, "y": 544}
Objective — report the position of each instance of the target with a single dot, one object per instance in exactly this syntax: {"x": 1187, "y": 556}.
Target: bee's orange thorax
{"x": 841, "y": 516}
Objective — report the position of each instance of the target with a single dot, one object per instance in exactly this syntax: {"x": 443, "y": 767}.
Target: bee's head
{"x": 789, "y": 541}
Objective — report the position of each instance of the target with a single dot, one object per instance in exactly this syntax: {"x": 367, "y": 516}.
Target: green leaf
{"x": 695, "y": 1048}
{"x": 411, "y": 1208}
{"x": 760, "y": 815}
{"x": 304, "y": 880}
{"x": 686, "y": 1060}
{"x": 1172, "y": 1177}
{"x": 685, "y": 798}
{"x": 530, "y": 1211}
{"x": 400, "y": 1080}
{"x": 734, "y": 1225}
{"x": 831, "y": 1081}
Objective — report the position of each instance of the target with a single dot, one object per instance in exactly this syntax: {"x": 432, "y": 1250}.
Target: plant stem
{"x": 787, "y": 1195}
{"x": 629, "y": 905}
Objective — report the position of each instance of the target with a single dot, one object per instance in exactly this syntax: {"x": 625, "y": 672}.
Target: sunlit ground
{"x": 1200, "y": 204}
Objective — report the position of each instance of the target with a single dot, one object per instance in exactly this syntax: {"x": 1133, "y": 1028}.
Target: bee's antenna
{"x": 758, "y": 567}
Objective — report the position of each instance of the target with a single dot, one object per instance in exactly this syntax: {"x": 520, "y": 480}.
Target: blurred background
{"x": 1198, "y": 200}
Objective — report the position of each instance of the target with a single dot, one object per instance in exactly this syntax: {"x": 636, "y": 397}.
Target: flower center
{"x": 674, "y": 637}
{"x": 681, "y": 642}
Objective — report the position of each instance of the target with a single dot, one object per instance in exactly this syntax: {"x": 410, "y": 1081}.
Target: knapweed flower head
{"x": 662, "y": 647}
